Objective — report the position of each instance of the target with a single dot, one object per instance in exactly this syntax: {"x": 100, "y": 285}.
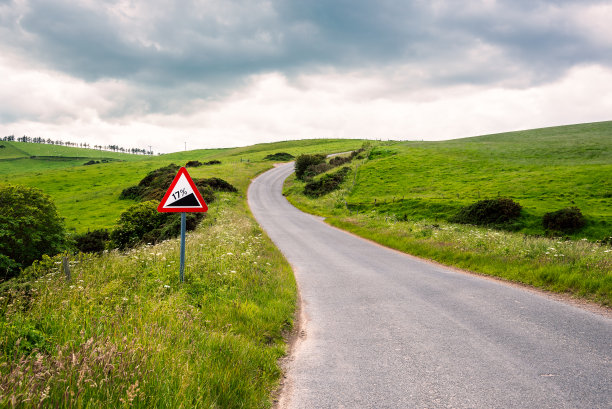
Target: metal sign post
{"x": 183, "y": 228}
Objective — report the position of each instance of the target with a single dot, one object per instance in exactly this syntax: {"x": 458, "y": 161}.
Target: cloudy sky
{"x": 220, "y": 73}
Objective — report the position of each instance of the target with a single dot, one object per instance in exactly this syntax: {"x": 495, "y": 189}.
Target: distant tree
{"x": 29, "y": 228}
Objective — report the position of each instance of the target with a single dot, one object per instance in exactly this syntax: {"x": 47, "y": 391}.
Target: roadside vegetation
{"x": 532, "y": 207}
{"x": 122, "y": 331}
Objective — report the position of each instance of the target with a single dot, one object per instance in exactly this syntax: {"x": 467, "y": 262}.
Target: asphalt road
{"x": 385, "y": 330}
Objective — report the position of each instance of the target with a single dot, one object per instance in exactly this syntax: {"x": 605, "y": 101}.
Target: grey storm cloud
{"x": 201, "y": 49}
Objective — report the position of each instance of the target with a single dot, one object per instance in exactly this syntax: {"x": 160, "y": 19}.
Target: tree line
{"x": 49, "y": 141}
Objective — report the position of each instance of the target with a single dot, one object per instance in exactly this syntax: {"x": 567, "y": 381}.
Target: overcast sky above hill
{"x": 219, "y": 73}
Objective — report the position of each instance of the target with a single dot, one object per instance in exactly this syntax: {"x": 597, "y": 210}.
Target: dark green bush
{"x": 566, "y": 220}
{"x": 91, "y": 162}
{"x": 193, "y": 164}
{"x": 303, "y": 162}
{"x": 212, "y": 162}
{"x": 326, "y": 184}
{"x": 216, "y": 184}
{"x": 156, "y": 184}
{"x": 92, "y": 241}
{"x": 29, "y": 228}
{"x": 489, "y": 212}
{"x": 280, "y": 156}
{"x": 142, "y": 223}
{"x": 314, "y": 170}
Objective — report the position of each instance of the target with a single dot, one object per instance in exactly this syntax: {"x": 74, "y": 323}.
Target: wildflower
{"x": 166, "y": 286}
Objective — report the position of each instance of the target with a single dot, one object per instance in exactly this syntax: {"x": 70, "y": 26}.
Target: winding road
{"x": 386, "y": 330}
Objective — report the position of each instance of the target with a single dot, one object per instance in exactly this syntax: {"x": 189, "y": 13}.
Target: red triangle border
{"x": 160, "y": 207}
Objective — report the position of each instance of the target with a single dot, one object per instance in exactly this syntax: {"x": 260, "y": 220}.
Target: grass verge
{"x": 124, "y": 332}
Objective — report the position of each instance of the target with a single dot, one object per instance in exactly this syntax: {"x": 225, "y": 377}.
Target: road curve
{"x": 385, "y": 330}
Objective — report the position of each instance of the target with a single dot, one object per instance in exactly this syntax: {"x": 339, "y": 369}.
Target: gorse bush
{"x": 193, "y": 164}
{"x": 566, "y": 220}
{"x": 29, "y": 228}
{"x": 326, "y": 184}
{"x": 156, "y": 183}
{"x": 142, "y": 223}
{"x": 92, "y": 241}
{"x": 341, "y": 160}
{"x": 489, "y": 212}
{"x": 280, "y": 156}
{"x": 304, "y": 164}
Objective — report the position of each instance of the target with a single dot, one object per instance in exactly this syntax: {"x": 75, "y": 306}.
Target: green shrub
{"x": 142, "y": 223}
{"x": 314, "y": 170}
{"x": 193, "y": 164}
{"x": 21, "y": 339}
{"x": 92, "y": 241}
{"x": 212, "y": 162}
{"x": 304, "y": 162}
{"x": 280, "y": 156}
{"x": 155, "y": 185}
{"x": 29, "y": 228}
{"x": 489, "y": 212}
{"x": 326, "y": 184}
{"x": 216, "y": 184}
{"x": 566, "y": 220}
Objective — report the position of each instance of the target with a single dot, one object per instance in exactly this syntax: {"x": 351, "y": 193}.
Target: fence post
{"x": 66, "y": 267}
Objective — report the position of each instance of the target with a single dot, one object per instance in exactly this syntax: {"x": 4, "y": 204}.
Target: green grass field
{"x": 544, "y": 170}
{"x": 88, "y": 196}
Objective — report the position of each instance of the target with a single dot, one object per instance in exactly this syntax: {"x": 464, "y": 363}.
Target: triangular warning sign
{"x": 182, "y": 196}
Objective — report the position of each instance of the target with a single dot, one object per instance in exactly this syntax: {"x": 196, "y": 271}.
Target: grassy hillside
{"x": 544, "y": 170}
{"x": 22, "y": 157}
{"x": 88, "y": 196}
{"x": 404, "y": 195}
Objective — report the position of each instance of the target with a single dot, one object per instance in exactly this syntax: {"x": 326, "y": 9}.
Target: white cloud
{"x": 227, "y": 73}
{"x": 272, "y": 108}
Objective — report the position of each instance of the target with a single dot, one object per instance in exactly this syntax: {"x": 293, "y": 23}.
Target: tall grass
{"x": 578, "y": 267}
{"x": 124, "y": 332}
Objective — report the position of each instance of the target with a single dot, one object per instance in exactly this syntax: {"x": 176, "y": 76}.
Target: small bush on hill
{"x": 341, "y": 160}
{"x": 193, "y": 164}
{"x": 91, "y": 162}
{"x": 212, "y": 162}
{"x": 92, "y": 241}
{"x": 29, "y": 228}
{"x": 489, "y": 212}
{"x": 280, "y": 156}
{"x": 216, "y": 184}
{"x": 326, "y": 184}
{"x": 142, "y": 223}
{"x": 566, "y": 220}
{"x": 314, "y": 170}
{"x": 304, "y": 162}
{"x": 156, "y": 183}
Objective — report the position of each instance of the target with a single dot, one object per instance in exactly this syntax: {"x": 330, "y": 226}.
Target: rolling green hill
{"x": 19, "y": 157}
{"x": 544, "y": 170}
{"x": 88, "y": 196}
